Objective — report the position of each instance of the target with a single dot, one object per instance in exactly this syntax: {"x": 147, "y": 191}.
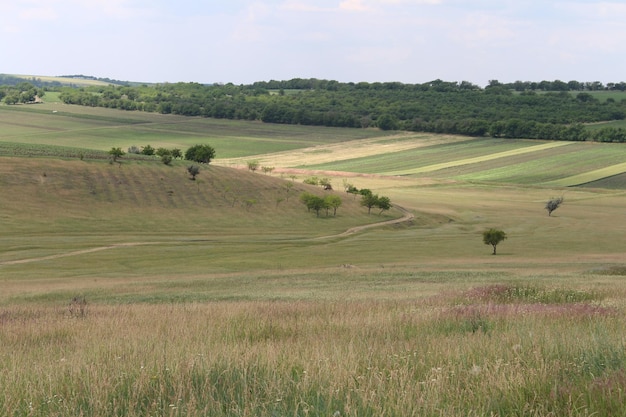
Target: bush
{"x": 147, "y": 150}
{"x": 166, "y": 159}
{"x": 200, "y": 153}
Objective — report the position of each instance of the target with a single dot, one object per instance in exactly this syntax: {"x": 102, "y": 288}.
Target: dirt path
{"x": 77, "y": 252}
{"x": 406, "y": 217}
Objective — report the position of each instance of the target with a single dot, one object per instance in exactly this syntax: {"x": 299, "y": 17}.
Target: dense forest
{"x": 553, "y": 110}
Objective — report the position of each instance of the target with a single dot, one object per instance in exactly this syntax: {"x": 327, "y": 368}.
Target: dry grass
{"x": 349, "y": 358}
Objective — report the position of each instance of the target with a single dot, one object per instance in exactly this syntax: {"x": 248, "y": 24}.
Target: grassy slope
{"x": 199, "y": 308}
{"x": 70, "y": 206}
{"x": 99, "y": 128}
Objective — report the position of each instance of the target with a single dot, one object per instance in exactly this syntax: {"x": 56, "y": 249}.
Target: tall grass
{"x": 316, "y": 358}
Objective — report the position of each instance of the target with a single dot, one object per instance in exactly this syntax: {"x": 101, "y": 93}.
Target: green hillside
{"x": 128, "y": 288}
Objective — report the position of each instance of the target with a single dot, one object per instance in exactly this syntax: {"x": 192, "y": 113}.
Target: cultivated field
{"x": 128, "y": 289}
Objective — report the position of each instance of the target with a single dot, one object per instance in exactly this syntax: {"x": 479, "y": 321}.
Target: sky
{"x": 243, "y": 41}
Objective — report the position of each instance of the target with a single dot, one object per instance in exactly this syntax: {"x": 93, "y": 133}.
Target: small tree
{"x": 267, "y": 170}
{"x": 193, "y": 170}
{"x": 200, "y": 153}
{"x": 162, "y": 151}
{"x": 176, "y": 153}
{"x": 325, "y": 183}
{"x": 311, "y": 181}
{"x": 553, "y": 204}
{"x": 115, "y": 154}
{"x": 313, "y": 202}
{"x": 166, "y": 159}
{"x": 288, "y": 187}
{"x": 383, "y": 203}
{"x": 369, "y": 201}
{"x": 493, "y": 237}
{"x": 253, "y": 165}
{"x": 352, "y": 190}
{"x": 147, "y": 150}
{"x": 333, "y": 201}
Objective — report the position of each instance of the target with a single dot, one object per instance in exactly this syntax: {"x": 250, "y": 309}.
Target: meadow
{"x": 129, "y": 289}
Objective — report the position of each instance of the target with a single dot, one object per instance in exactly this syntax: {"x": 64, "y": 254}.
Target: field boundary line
{"x": 588, "y": 176}
{"x": 477, "y": 159}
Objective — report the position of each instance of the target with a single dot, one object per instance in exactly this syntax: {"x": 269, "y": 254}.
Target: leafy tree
{"x": 253, "y": 165}
{"x": 115, "y": 154}
{"x": 267, "y": 170}
{"x": 12, "y": 99}
{"x": 193, "y": 170}
{"x": 200, "y": 153}
{"x": 553, "y": 204}
{"x": 176, "y": 153}
{"x": 383, "y": 203}
{"x": 147, "y": 150}
{"x": 304, "y": 198}
{"x": 325, "y": 183}
{"x": 333, "y": 201}
{"x": 493, "y": 237}
{"x": 162, "y": 151}
{"x": 166, "y": 159}
{"x": 313, "y": 202}
{"x": 369, "y": 201}
{"x": 387, "y": 122}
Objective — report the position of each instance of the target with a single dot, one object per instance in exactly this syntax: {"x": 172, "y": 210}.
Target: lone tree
{"x": 115, "y": 154}
{"x": 200, "y": 153}
{"x": 493, "y": 237}
{"x": 193, "y": 170}
{"x": 553, "y": 204}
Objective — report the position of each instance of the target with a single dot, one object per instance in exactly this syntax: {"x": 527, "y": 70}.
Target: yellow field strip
{"x": 478, "y": 159}
{"x": 589, "y": 176}
{"x": 342, "y": 151}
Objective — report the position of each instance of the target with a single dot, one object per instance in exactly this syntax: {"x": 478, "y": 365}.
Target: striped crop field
{"x": 525, "y": 162}
{"x": 589, "y": 176}
{"x": 482, "y": 158}
{"x": 394, "y": 159}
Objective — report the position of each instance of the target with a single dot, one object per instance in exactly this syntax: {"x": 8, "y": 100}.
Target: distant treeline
{"x": 544, "y": 110}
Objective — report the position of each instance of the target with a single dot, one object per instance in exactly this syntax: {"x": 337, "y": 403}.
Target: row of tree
{"x": 22, "y": 92}
{"x": 545, "y": 110}
{"x": 440, "y": 107}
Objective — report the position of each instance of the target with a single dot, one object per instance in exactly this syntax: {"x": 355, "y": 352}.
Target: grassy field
{"x": 100, "y": 128}
{"x": 130, "y": 290}
{"x": 78, "y": 82}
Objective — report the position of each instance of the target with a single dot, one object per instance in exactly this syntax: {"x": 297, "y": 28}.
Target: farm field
{"x": 129, "y": 289}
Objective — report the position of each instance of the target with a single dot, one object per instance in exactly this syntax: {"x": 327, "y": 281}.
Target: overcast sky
{"x": 242, "y": 41}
